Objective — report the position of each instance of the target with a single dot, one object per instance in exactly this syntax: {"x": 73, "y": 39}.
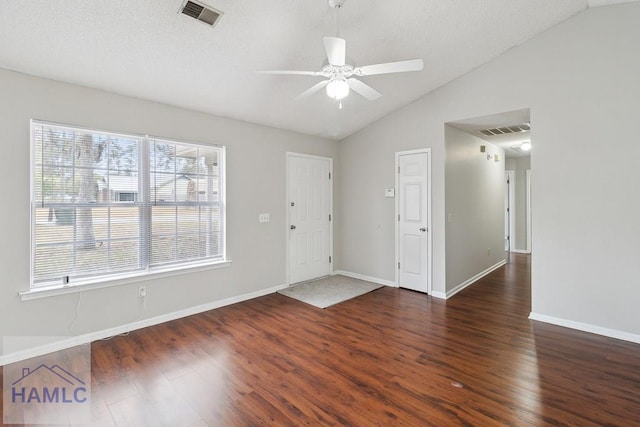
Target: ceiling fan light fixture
{"x": 526, "y": 146}
{"x": 338, "y": 89}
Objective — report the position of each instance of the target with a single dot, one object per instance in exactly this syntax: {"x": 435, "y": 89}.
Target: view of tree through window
{"x": 106, "y": 204}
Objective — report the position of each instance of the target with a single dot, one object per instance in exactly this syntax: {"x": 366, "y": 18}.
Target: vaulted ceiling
{"x": 146, "y": 49}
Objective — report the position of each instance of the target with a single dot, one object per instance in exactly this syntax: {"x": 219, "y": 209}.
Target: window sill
{"x": 88, "y": 285}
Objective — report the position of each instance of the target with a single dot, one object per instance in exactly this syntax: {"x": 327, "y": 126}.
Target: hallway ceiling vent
{"x": 201, "y": 13}
{"x": 524, "y": 127}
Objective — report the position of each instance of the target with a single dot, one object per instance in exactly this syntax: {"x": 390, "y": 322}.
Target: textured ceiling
{"x": 146, "y": 49}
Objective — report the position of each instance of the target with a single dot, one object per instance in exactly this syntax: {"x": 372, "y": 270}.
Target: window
{"x": 105, "y": 205}
{"x": 127, "y": 197}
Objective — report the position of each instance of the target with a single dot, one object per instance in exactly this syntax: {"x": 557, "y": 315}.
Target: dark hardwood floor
{"x": 390, "y": 357}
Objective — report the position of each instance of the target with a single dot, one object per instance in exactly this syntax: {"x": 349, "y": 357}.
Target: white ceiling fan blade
{"x": 336, "y": 50}
{"x": 313, "y": 89}
{"x": 301, "y": 73}
{"x": 391, "y": 67}
{"x": 363, "y": 89}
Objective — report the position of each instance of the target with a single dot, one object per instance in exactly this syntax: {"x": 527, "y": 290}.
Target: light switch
{"x": 449, "y": 217}
{"x": 264, "y": 217}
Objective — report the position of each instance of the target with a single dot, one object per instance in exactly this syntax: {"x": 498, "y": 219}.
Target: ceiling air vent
{"x": 201, "y": 13}
{"x": 524, "y": 127}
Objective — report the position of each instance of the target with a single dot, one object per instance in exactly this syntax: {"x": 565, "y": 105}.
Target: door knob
{"x": 423, "y": 229}
{"x": 293, "y": 227}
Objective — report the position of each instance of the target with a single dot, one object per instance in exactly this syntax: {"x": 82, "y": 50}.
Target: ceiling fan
{"x": 340, "y": 77}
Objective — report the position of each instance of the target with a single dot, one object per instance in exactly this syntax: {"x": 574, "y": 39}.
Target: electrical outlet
{"x": 142, "y": 291}
{"x": 264, "y": 217}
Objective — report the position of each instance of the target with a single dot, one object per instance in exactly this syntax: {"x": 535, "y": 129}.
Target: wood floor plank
{"x": 390, "y": 357}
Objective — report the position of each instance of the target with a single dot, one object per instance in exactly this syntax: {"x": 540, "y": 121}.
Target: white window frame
{"x": 149, "y": 272}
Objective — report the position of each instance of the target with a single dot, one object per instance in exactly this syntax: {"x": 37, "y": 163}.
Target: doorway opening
{"x": 487, "y": 201}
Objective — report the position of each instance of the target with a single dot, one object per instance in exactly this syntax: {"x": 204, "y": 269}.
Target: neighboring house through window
{"x": 127, "y": 197}
{"x": 108, "y": 205}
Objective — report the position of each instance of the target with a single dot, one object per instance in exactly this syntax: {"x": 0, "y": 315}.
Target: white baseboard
{"x": 98, "y": 335}
{"x": 586, "y": 327}
{"x": 440, "y": 295}
{"x": 520, "y": 251}
{"x": 474, "y": 279}
{"x": 363, "y": 277}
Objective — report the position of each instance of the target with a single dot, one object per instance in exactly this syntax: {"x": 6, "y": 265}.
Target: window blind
{"x": 106, "y": 203}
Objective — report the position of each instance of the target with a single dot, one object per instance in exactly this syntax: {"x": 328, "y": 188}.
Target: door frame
{"x": 528, "y": 201}
{"x": 429, "y": 221}
{"x": 287, "y": 224}
{"x": 510, "y": 204}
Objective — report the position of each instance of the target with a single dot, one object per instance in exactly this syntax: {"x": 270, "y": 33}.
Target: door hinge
{"x": 329, "y": 259}
{"x": 398, "y": 217}
{"x": 398, "y": 169}
{"x": 329, "y": 217}
{"x": 398, "y": 266}
{"x": 329, "y": 175}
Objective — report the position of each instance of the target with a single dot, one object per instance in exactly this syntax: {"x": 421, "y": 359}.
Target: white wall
{"x": 255, "y": 184}
{"x": 519, "y": 165}
{"x": 580, "y": 80}
{"x": 474, "y": 204}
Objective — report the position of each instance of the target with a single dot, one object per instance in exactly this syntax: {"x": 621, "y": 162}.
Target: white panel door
{"x": 413, "y": 221}
{"x": 309, "y": 207}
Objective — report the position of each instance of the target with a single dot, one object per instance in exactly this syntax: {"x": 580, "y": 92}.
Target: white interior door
{"x": 309, "y": 204}
{"x": 413, "y": 221}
